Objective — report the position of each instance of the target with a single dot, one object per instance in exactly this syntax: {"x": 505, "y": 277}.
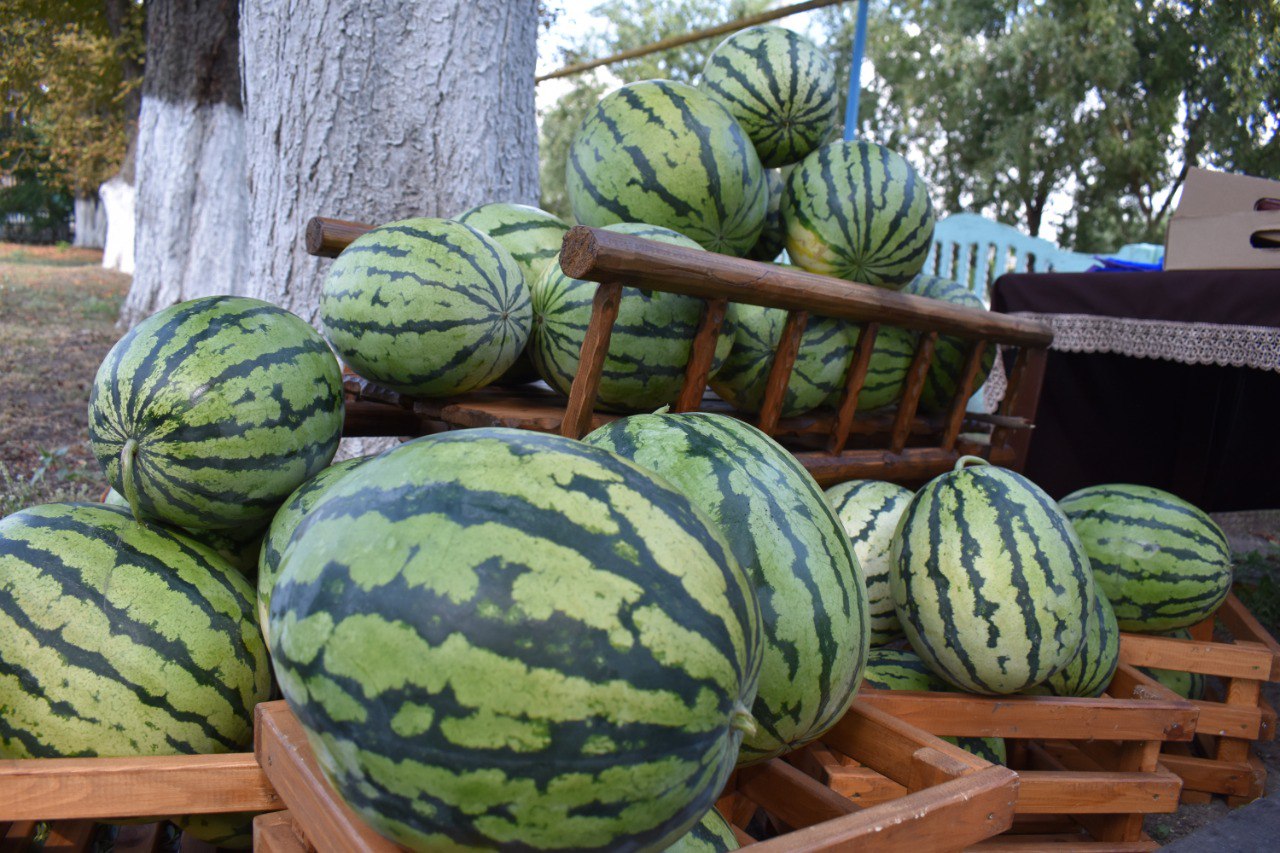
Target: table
{"x": 1168, "y": 379}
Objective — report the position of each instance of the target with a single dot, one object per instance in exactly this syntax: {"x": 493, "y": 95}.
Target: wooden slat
{"x": 276, "y": 833}
{"x": 917, "y": 373}
{"x": 70, "y": 836}
{"x": 326, "y": 238}
{"x": 1245, "y": 628}
{"x": 959, "y": 714}
{"x": 18, "y": 837}
{"x": 1013, "y": 389}
{"x": 853, "y": 382}
{"x": 1084, "y": 792}
{"x": 791, "y": 796}
{"x": 1061, "y": 844}
{"x": 1224, "y": 720}
{"x": 75, "y": 788}
{"x": 1129, "y": 682}
{"x": 595, "y": 346}
{"x": 1210, "y": 775}
{"x": 960, "y": 402}
{"x": 912, "y": 464}
{"x": 1225, "y": 660}
{"x": 702, "y": 354}
{"x": 784, "y": 359}
{"x": 598, "y": 255}
{"x": 951, "y": 816}
{"x": 281, "y": 748}
{"x": 890, "y": 745}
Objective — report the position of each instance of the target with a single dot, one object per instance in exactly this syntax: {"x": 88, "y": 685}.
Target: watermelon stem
{"x": 741, "y": 719}
{"x": 969, "y": 460}
{"x": 127, "y": 486}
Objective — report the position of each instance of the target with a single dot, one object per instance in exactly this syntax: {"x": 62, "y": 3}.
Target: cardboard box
{"x": 1225, "y": 221}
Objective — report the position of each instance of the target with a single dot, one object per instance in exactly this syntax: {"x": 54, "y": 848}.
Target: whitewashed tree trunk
{"x": 118, "y": 198}
{"x": 192, "y": 188}
{"x": 375, "y": 111}
{"x": 90, "y": 222}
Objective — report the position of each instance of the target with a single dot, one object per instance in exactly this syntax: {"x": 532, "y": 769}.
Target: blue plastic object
{"x": 855, "y": 74}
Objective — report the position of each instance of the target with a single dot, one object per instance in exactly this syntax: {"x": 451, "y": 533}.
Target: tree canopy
{"x": 1005, "y": 105}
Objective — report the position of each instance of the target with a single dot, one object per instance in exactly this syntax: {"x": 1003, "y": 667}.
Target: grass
{"x": 58, "y": 309}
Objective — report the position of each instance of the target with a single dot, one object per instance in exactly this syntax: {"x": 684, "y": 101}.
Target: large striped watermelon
{"x": 949, "y": 353}
{"x": 503, "y": 638}
{"x": 667, "y": 154}
{"x": 790, "y": 541}
{"x": 651, "y": 340}
{"x": 426, "y": 306}
{"x": 209, "y": 413}
{"x": 1162, "y": 562}
{"x": 779, "y": 87}
{"x": 712, "y": 834}
{"x": 991, "y": 584}
{"x": 236, "y": 547}
{"x": 900, "y": 669}
{"x": 773, "y": 236}
{"x": 826, "y": 348}
{"x": 1091, "y": 669}
{"x": 119, "y": 638}
{"x": 286, "y": 520}
{"x": 870, "y": 511}
{"x": 859, "y": 211}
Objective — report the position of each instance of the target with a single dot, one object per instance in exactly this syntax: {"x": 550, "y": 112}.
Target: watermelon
{"x": 231, "y": 831}
{"x": 886, "y": 377}
{"x": 870, "y": 511}
{"x": 651, "y": 341}
{"x": 712, "y": 834}
{"x": 1162, "y": 562}
{"x": 900, "y": 669}
{"x": 237, "y": 548}
{"x": 497, "y": 637}
{"x": 773, "y": 236}
{"x": 426, "y": 306}
{"x": 826, "y": 348}
{"x": 949, "y": 353}
{"x": 285, "y": 522}
{"x": 857, "y": 210}
{"x": 791, "y": 543}
{"x": 779, "y": 86}
{"x": 209, "y": 413}
{"x": 667, "y": 154}
{"x": 533, "y": 238}
{"x": 990, "y": 582}
{"x": 1188, "y": 685}
{"x": 119, "y": 638}
{"x": 1091, "y": 669}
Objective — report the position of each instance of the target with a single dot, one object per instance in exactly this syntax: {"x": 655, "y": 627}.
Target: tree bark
{"x": 192, "y": 200}
{"x": 374, "y": 111}
{"x": 118, "y": 195}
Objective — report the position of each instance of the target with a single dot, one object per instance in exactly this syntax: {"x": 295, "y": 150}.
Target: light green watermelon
{"x": 870, "y": 511}
{"x": 779, "y": 86}
{"x": 501, "y": 638}
{"x": 773, "y": 236}
{"x": 712, "y": 834}
{"x": 667, "y": 154}
{"x": 1090, "y": 671}
{"x": 857, "y": 210}
{"x": 426, "y": 306}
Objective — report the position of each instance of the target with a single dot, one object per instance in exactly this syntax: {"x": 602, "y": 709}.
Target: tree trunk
{"x": 375, "y": 111}
{"x": 192, "y": 190}
{"x": 90, "y": 222}
{"x": 118, "y": 195}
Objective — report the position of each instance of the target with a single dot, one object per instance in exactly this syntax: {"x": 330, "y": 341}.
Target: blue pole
{"x": 855, "y": 74}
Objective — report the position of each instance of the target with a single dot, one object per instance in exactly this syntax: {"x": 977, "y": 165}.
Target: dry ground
{"x": 57, "y": 320}
{"x": 58, "y": 310}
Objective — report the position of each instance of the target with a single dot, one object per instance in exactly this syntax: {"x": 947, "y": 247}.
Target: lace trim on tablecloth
{"x": 1218, "y": 344}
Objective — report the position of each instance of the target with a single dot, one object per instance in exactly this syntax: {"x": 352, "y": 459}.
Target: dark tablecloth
{"x": 1208, "y": 433}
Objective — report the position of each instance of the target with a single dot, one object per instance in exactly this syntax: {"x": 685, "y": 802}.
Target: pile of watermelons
{"x": 502, "y": 639}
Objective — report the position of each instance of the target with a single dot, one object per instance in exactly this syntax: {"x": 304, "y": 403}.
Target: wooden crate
{"x": 1233, "y": 716}
{"x": 949, "y": 800}
{"x": 834, "y": 444}
{"x": 1088, "y": 769}
{"x": 72, "y": 794}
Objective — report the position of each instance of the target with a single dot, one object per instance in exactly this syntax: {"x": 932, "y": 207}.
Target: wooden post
{"x": 917, "y": 373}
{"x": 959, "y": 403}
{"x": 326, "y": 238}
{"x": 853, "y": 383}
{"x": 784, "y": 359}
{"x": 702, "y": 354}
{"x": 595, "y": 346}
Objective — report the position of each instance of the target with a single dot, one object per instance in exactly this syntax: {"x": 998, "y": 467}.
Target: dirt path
{"x": 58, "y": 309}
